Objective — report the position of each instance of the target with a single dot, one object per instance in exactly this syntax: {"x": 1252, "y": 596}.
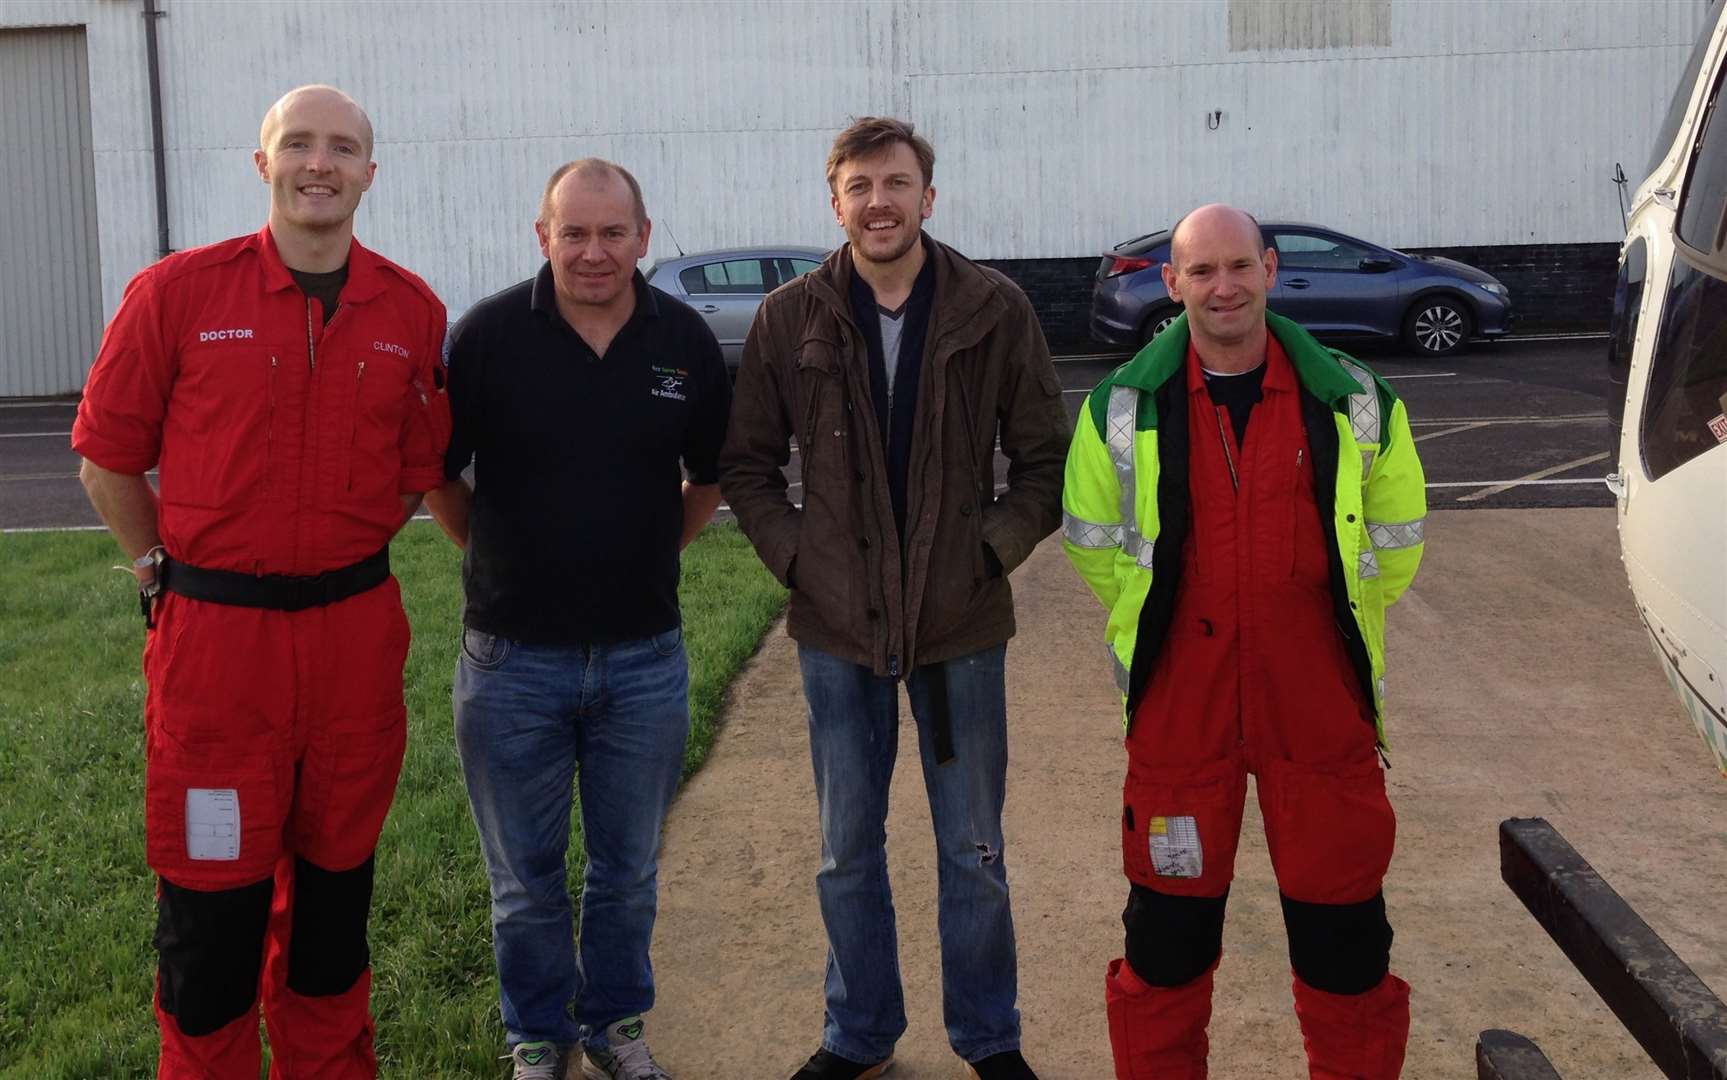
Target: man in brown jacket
{"x": 895, "y": 365}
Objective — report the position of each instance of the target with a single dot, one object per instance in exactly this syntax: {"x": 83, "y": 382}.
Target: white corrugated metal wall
{"x": 50, "y": 284}
{"x": 1060, "y": 127}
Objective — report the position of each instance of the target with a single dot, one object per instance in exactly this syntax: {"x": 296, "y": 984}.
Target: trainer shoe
{"x": 624, "y": 1057}
{"x": 827, "y": 1065}
{"x": 1007, "y": 1065}
{"x": 538, "y": 1061}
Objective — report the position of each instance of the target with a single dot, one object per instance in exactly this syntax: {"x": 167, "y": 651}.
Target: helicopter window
{"x": 1627, "y": 303}
{"x": 1682, "y": 412}
{"x": 1703, "y": 206}
{"x": 1682, "y": 95}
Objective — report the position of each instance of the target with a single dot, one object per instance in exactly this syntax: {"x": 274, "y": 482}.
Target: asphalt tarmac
{"x": 1508, "y": 424}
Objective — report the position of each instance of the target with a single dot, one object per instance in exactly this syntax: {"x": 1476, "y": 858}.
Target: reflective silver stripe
{"x": 1364, "y": 407}
{"x": 1090, "y": 534}
{"x": 1139, "y": 547}
{"x": 1122, "y": 415}
{"x": 1396, "y": 534}
{"x": 1367, "y": 463}
{"x": 1367, "y": 566}
{"x": 1379, "y": 687}
{"x": 1121, "y": 675}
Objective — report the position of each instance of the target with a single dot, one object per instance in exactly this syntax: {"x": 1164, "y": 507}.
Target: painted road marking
{"x": 1563, "y": 418}
{"x": 1538, "y": 475}
{"x": 1521, "y": 483}
{"x": 36, "y": 435}
{"x": 1449, "y": 431}
{"x": 1435, "y": 375}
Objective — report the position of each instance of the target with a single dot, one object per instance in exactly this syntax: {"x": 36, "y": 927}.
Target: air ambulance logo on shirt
{"x": 668, "y": 382}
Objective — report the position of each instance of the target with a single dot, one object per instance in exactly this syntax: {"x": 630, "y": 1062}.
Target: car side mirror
{"x": 1375, "y": 265}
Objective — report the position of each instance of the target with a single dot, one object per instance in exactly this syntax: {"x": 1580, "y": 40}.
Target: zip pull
{"x": 1299, "y": 451}
{"x": 359, "y": 373}
{"x": 1383, "y": 756}
{"x": 893, "y": 666}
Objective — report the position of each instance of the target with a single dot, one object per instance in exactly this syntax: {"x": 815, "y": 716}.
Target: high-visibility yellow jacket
{"x": 1125, "y": 508}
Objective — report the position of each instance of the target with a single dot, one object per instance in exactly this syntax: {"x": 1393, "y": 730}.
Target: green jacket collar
{"x": 1320, "y": 372}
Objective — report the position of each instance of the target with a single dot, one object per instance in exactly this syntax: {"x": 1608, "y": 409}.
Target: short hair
{"x": 592, "y": 168}
{"x": 872, "y": 135}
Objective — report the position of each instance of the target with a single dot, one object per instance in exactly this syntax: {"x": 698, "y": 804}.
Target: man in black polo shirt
{"x": 576, "y": 394}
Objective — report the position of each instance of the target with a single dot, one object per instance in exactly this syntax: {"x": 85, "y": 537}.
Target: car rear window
{"x": 731, "y": 277}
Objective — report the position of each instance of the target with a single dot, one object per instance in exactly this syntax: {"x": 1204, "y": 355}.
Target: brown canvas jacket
{"x": 805, "y": 376}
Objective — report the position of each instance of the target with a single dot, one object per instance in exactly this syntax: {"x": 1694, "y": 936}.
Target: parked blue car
{"x": 1337, "y": 286}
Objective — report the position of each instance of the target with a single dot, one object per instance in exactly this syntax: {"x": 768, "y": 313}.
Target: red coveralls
{"x": 1253, "y": 677}
{"x": 273, "y": 738}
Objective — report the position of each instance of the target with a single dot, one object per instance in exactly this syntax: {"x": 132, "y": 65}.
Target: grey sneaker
{"x": 539, "y": 1061}
{"x": 624, "y": 1057}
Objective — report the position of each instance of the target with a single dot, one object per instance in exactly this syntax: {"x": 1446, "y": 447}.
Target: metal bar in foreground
{"x": 1680, "y": 1024}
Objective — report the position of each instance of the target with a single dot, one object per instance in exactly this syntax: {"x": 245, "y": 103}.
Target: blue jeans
{"x": 530, "y": 720}
{"x": 854, "y": 738}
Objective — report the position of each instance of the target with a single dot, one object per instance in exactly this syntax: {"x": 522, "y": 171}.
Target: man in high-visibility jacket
{"x": 1246, "y": 503}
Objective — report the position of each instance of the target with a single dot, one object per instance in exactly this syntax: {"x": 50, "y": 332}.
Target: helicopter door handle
{"x": 1615, "y": 483}
{"x": 709, "y": 308}
{"x": 1298, "y": 283}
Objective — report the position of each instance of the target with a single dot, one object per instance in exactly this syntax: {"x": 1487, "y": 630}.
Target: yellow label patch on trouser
{"x": 1175, "y": 849}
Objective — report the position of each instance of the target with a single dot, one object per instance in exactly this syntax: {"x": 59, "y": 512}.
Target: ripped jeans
{"x": 854, "y": 738}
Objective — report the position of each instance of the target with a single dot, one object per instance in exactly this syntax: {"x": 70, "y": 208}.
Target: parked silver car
{"x": 727, "y": 286}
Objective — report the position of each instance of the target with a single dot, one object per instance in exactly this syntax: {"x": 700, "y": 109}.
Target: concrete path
{"x": 1521, "y": 684}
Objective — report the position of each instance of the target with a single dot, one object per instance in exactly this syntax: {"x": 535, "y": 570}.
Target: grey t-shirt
{"x": 892, "y": 323}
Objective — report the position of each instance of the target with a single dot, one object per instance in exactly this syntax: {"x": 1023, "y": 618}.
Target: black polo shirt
{"x": 577, "y": 509}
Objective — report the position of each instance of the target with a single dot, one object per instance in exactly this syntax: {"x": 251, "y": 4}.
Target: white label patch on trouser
{"x": 213, "y": 824}
{"x": 1175, "y": 850}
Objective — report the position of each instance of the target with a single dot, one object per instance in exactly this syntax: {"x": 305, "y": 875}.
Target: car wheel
{"x": 1156, "y": 322}
{"x": 1437, "y": 326}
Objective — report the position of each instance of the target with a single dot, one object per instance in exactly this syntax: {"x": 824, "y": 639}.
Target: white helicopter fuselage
{"x": 1670, "y": 319}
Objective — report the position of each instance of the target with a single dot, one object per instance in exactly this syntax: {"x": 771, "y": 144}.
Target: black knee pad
{"x": 1339, "y": 948}
{"x": 327, "y": 950}
{"x": 210, "y": 948}
{"x": 1172, "y": 940}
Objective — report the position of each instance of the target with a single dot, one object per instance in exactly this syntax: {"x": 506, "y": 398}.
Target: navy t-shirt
{"x": 579, "y": 462}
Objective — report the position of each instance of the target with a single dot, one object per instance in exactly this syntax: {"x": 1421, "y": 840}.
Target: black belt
{"x": 279, "y": 592}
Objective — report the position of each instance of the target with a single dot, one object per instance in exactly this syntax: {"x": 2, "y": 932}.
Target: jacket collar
{"x": 1320, "y": 372}
{"x": 967, "y": 302}
{"x": 365, "y": 269}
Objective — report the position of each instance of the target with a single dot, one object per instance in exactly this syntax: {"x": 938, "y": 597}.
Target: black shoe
{"x": 1007, "y": 1065}
{"x": 827, "y": 1065}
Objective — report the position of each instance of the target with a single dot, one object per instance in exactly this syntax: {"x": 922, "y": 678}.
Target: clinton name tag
{"x": 213, "y": 824}
{"x": 1175, "y": 850}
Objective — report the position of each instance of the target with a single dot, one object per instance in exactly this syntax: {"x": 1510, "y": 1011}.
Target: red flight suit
{"x": 1253, "y": 677}
{"x": 273, "y": 738}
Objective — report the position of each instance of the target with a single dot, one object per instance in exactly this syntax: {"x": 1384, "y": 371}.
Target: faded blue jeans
{"x": 532, "y": 722}
{"x": 854, "y": 738}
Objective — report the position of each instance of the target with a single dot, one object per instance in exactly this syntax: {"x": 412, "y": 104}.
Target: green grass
{"x": 77, "y": 900}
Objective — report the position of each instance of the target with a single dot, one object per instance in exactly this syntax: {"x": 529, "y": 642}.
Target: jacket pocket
{"x": 1330, "y": 828}
{"x": 1180, "y": 825}
{"x": 832, "y": 542}
{"x": 220, "y": 431}
{"x": 378, "y": 400}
